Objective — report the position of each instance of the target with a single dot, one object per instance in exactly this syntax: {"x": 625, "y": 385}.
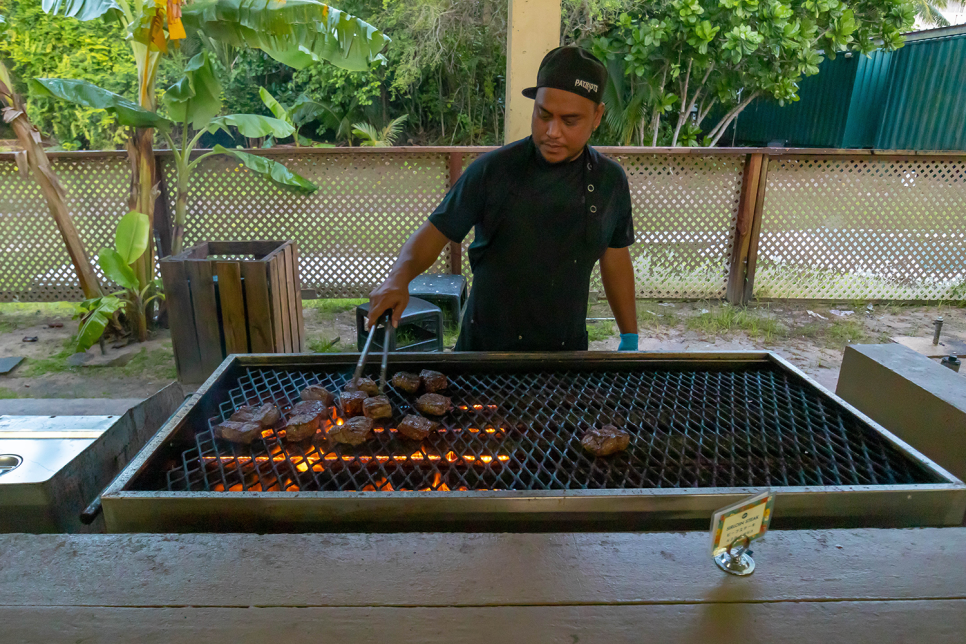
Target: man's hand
{"x": 417, "y": 254}
{"x": 391, "y": 294}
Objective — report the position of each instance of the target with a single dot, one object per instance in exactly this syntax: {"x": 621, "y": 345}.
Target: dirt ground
{"x": 811, "y": 336}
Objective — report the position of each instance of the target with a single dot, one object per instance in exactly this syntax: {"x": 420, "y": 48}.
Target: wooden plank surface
{"x": 278, "y": 323}
{"x": 232, "y": 306}
{"x": 281, "y": 290}
{"x": 184, "y": 339}
{"x": 297, "y": 280}
{"x": 258, "y": 307}
{"x": 205, "y": 310}
{"x": 292, "y": 291}
{"x": 457, "y": 569}
{"x": 932, "y": 622}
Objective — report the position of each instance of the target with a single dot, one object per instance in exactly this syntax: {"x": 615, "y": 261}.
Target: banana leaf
{"x": 114, "y": 267}
{"x": 98, "y": 314}
{"x": 294, "y": 32}
{"x": 131, "y": 237}
{"x": 275, "y": 171}
{"x": 277, "y": 110}
{"x": 85, "y": 94}
{"x": 81, "y": 9}
{"x": 196, "y": 98}
{"x": 252, "y": 126}
{"x": 305, "y": 110}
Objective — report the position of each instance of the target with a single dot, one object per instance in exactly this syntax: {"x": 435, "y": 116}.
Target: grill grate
{"x": 521, "y": 431}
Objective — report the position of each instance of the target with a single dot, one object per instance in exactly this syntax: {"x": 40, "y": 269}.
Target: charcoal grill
{"x": 707, "y": 430}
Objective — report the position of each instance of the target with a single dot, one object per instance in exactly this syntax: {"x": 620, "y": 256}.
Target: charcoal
{"x": 433, "y": 404}
{"x": 377, "y": 407}
{"x": 266, "y": 415}
{"x": 352, "y": 402}
{"x": 363, "y": 384}
{"x": 405, "y": 381}
{"x": 318, "y": 392}
{"x": 416, "y": 427}
{"x": 605, "y": 441}
{"x": 433, "y": 381}
{"x": 355, "y": 431}
{"x": 238, "y": 432}
{"x": 305, "y": 420}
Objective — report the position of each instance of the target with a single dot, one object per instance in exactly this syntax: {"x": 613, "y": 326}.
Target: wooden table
{"x": 830, "y": 586}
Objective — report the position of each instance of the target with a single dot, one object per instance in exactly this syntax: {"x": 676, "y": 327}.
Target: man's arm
{"x": 417, "y": 254}
{"x": 617, "y": 273}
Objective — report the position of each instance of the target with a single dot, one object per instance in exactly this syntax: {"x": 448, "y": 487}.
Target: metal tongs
{"x": 388, "y": 336}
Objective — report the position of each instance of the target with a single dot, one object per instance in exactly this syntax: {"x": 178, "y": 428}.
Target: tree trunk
{"x": 144, "y": 192}
{"x": 719, "y": 129}
{"x": 50, "y": 186}
{"x": 686, "y": 111}
{"x": 685, "y": 108}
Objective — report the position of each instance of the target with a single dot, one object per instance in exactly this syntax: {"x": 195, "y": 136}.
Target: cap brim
{"x": 530, "y": 92}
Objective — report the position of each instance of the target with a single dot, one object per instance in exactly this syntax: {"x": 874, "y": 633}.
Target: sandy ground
{"x": 813, "y": 342}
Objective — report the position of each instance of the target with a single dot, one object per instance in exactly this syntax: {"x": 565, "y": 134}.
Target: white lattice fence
{"x": 863, "y": 227}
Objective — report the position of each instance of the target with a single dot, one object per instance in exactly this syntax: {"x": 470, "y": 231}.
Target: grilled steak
{"x": 266, "y": 415}
{"x": 433, "y": 404}
{"x": 355, "y": 431}
{"x": 352, "y": 402}
{"x": 238, "y": 432}
{"x": 363, "y": 384}
{"x": 433, "y": 381}
{"x": 605, "y": 441}
{"x": 377, "y": 407}
{"x": 405, "y": 381}
{"x": 305, "y": 420}
{"x": 416, "y": 427}
{"x": 318, "y": 392}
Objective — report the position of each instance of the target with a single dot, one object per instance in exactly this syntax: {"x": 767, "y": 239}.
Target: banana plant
{"x": 193, "y": 104}
{"x": 303, "y": 110}
{"x": 130, "y": 243}
{"x": 294, "y": 32}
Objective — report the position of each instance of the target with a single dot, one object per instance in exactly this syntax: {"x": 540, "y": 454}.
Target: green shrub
{"x": 37, "y": 45}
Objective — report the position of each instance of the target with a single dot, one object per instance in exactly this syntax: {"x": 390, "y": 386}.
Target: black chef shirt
{"x": 540, "y": 229}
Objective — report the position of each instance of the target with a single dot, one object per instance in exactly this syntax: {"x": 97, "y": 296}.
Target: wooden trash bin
{"x": 232, "y": 297}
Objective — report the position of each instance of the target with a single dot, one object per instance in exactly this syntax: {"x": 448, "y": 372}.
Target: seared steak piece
{"x": 238, "y": 432}
{"x": 416, "y": 427}
{"x": 377, "y": 407}
{"x": 305, "y": 420}
{"x": 318, "y": 392}
{"x": 355, "y": 431}
{"x": 352, "y": 402}
{"x": 363, "y": 384}
{"x": 433, "y": 381}
{"x": 266, "y": 415}
{"x": 433, "y": 404}
{"x": 405, "y": 381}
{"x": 605, "y": 441}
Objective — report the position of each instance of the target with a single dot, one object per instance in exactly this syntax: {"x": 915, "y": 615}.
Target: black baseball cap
{"x": 571, "y": 69}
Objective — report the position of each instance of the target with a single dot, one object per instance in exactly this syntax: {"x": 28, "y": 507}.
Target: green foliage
{"x": 684, "y": 56}
{"x": 196, "y": 97}
{"x": 725, "y": 319}
{"x": 379, "y": 138}
{"x": 85, "y": 94}
{"x": 37, "y": 45}
{"x": 131, "y": 236}
{"x": 597, "y": 331}
{"x": 274, "y": 170}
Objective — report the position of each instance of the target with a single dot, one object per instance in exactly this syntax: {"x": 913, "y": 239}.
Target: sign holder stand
{"x": 737, "y": 561}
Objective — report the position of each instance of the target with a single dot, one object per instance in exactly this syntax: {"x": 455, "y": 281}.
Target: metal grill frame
{"x": 130, "y": 510}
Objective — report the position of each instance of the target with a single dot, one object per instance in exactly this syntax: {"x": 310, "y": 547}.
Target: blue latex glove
{"x": 628, "y": 342}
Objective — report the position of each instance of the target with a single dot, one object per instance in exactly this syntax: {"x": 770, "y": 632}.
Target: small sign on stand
{"x": 733, "y": 528}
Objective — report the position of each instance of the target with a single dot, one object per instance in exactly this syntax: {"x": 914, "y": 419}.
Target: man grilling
{"x": 546, "y": 209}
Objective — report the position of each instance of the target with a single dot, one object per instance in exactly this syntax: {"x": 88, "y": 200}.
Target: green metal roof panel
{"x": 818, "y": 119}
{"x": 869, "y": 92}
{"x": 926, "y": 108}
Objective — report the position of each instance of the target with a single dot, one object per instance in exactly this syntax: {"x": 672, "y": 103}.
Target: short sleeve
{"x": 624, "y": 227}
{"x": 462, "y": 207}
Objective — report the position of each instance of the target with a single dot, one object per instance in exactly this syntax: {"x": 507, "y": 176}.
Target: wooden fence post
{"x": 162, "y": 218}
{"x": 740, "y": 271}
{"x": 455, "y": 250}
